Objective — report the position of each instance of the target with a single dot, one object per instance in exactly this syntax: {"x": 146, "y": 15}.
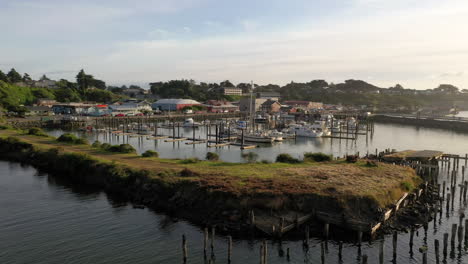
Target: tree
{"x": 97, "y": 84}
{"x": 226, "y": 83}
{"x": 14, "y": 76}
{"x": 26, "y": 78}
{"x": 447, "y": 89}
{"x": 44, "y": 78}
{"x": 82, "y": 79}
{"x": 3, "y": 77}
{"x": 98, "y": 95}
{"x": 67, "y": 95}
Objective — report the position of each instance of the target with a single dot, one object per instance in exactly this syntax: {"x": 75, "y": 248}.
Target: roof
{"x": 270, "y": 102}
{"x": 38, "y": 108}
{"x": 176, "y": 101}
{"x": 297, "y": 102}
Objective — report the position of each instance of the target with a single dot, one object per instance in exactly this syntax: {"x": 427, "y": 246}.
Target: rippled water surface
{"x": 47, "y": 220}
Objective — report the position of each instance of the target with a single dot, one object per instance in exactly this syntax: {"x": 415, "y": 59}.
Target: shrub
{"x": 96, "y": 144}
{"x": 286, "y": 158}
{"x": 70, "y": 138}
{"x": 407, "y": 186}
{"x": 190, "y": 161}
{"x": 122, "y": 148}
{"x": 188, "y": 173}
{"x": 317, "y": 157}
{"x": 212, "y": 156}
{"x": 351, "y": 158}
{"x": 150, "y": 153}
{"x": 250, "y": 157}
{"x": 4, "y": 127}
{"x": 265, "y": 161}
{"x": 371, "y": 163}
{"x": 37, "y": 132}
{"x": 105, "y": 146}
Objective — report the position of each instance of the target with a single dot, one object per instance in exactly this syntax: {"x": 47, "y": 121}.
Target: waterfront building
{"x": 304, "y": 105}
{"x": 217, "y": 106}
{"x": 270, "y": 106}
{"x": 173, "y": 104}
{"x": 244, "y": 104}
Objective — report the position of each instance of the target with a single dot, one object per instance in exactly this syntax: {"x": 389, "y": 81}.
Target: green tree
{"x": 3, "y": 77}
{"x": 44, "y": 78}
{"x": 98, "y": 95}
{"x": 14, "y": 76}
{"x": 67, "y": 95}
{"x": 83, "y": 81}
{"x": 26, "y": 78}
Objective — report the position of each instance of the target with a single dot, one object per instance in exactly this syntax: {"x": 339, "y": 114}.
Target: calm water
{"x": 46, "y": 220}
{"x": 392, "y": 136}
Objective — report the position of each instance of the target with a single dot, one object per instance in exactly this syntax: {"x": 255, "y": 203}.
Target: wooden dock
{"x": 175, "y": 139}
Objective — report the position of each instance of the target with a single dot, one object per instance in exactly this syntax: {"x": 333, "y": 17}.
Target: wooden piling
{"x": 184, "y": 248}
{"x": 381, "y": 251}
{"x": 436, "y": 250}
{"x": 322, "y": 252}
{"x": 340, "y": 250}
{"x": 229, "y": 249}
{"x": 205, "y": 241}
{"x": 452, "y": 238}
{"x": 326, "y": 228}
{"x": 395, "y": 244}
{"x": 288, "y": 256}
{"x": 445, "y": 251}
{"x": 212, "y": 239}
{"x": 460, "y": 237}
{"x": 359, "y": 238}
{"x": 364, "y": 259}
{"x": 265, "y": 252}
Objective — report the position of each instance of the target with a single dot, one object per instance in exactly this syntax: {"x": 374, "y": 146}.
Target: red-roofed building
{"x": 305, "y": 105}
{"x": 217, "y": 106}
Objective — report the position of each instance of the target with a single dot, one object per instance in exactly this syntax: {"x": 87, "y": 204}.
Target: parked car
{"x": 139, "y": 114}
{"x": 130, "y": 114}
{"x": 120, "y": 115}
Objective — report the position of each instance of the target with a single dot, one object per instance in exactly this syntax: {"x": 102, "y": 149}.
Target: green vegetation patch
{"x": 72, "y": 139}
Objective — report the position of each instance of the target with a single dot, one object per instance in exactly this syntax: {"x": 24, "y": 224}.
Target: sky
{"x": 416, "y": 43}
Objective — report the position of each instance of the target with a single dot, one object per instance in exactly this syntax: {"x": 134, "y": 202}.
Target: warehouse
{"x": 173, "y": 104}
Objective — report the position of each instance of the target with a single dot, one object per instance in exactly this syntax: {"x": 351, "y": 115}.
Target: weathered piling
{"x": 184, "y": 248}
{"x": 288, "y": 255}
{"x": 229, "y": 249}
{"x": 265, "y": 252}
{"x": 436, "y": 251}
{"x": 205, "y": 241}
{"x": 381, "y": 251}
{"x": 460, "y": 237}
{"x": 364, "y": 259}
{"x": 395, "y": 244}
{"x": 452, "y": 239}
{"x": 411, "y": 239}
{"x": 322, "y": 252}
{"x": 445, "y": 251}
{"x": 340, "y": 250}
{"x": 212, "y": 239}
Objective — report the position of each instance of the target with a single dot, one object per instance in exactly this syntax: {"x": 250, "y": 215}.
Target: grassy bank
{"x": 209, "y": 188}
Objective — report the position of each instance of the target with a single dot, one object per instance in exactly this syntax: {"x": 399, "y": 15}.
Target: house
{"x": 270, "y": 106}
{"x": 216, "y": 106}
{"x": 71, "y": 108}
{"x": 304, "y": 105}
{"x": 245, "y": 106}
{"x": 45, "y": 84}
{"x": 269, "y": 95}
{"x": 173, "y": 104}
{"x": 231, "y": 91}
{"x": 39, "y": 111}
{"x": 99, "y": 110}
{"x": 45, "y": 102}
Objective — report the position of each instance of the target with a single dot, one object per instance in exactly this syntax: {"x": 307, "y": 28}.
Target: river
{"x": 400, "y": 137}
{"x": 45, "y": 219}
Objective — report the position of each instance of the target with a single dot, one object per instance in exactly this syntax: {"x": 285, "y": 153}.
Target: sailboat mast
{"x": 251, "y": 107}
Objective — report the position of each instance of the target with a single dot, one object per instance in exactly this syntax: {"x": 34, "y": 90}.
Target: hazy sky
{"x": 418, "y": 43}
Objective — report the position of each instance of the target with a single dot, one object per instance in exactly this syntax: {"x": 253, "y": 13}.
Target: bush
{"x": 122, "y": 148}
{"x": 190, "y": 161}
{"x": 37, "y": 132}
{"x": 150, "y": 153}
{"x": 265, "y": 161}
{"x": 407, "y": 186}
{"x": 317, "y": 157}
{"x": 351, "y": 158}
{"x": 4, "y": 127}
{"x": 96, "y": 144}
{"x": 70, "y": 138}
{"x": 212, "y": 156}
{"x": 250, "y": 157}
{"x": 286, "y": 158}
{"x": 105, "y": 146}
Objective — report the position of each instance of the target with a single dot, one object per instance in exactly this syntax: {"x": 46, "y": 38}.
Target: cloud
{"x": 158, "y": 34}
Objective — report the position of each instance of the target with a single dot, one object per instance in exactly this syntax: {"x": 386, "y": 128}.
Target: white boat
{"x": 257, "y": 137}
{"x": 321, "y": 126}
{"x": 277, "y": 135}
{"x": 190, "y": 123}
{"x": 305, "y": 131}
{"x": 351, "y": 123}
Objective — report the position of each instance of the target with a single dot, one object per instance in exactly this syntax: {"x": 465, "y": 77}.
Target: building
{"x": 232, "y": 91}
{"x": 46, "y": 102}
{"x": 270, "y": 106}
{"x": 45, "y": 84}
{"x": 39, "y": 111}
{"x": 131, "y": 107}
{"x": 71, "y": 108}
{"x": 269, "y": 95}
{"x": 216, "y": 106}
{"x": 244, "y": 104}
{"x": 304, "y": 105}
{"x": 173, "y": 104}
{"x": 99, "y": 110}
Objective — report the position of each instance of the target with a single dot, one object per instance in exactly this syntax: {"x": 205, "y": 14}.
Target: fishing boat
{"x": 278, "y": 136}
{"x": 190, "y": 123}
{"x": 321, "y": 126}
{"x": 305, "y": 131}
{"x": 257, "y": 137}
